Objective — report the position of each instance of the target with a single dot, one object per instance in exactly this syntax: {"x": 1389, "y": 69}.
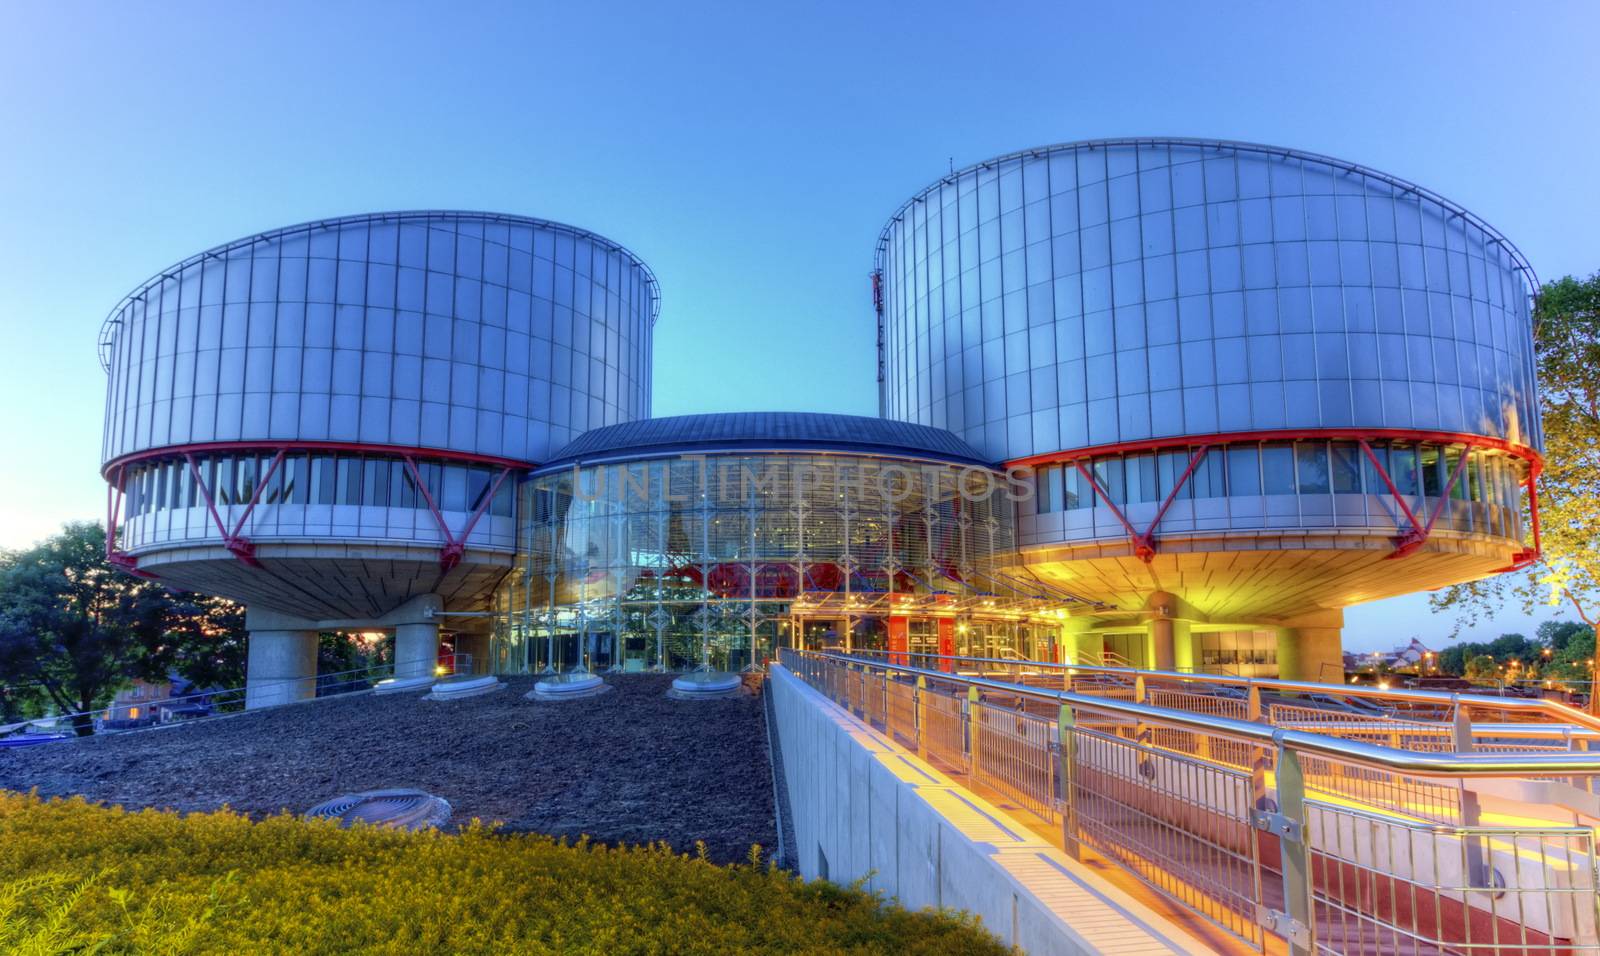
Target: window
{"x": 1244, "y": 470}
{"x": 348, "y": 489}
{"x": 1277, "y": 469}
{"x": 375, "y": 483}
{"x": 1311, "y": 467}
{"x": 1432, "y": 478}
{"x": 1346, "y": 460}
{"x": 455, "y": 489}
{"x": 1403, "y": 470}
{"x": 1142, "y": 475}
{"x": 1108, "y": 475}
{"x": 322, "y": 485}
{"x": 1076, "y": 491}
{"x": 1047, "y": 489}
{"x": 1458, "y": 491}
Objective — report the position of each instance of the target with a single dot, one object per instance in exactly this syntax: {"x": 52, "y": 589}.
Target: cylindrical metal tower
{"x": 328, "y": 421}
{"x": 1244, "y": 376}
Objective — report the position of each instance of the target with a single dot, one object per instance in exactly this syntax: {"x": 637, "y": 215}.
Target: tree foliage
{"x": 1566, "y": 320}
{"x": 74, "y": 629}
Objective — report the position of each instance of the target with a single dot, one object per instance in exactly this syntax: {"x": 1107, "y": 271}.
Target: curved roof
{"x": 1395, "y": 181}
{"x": 764, "y": 431}
{"x": 107, "y": 328}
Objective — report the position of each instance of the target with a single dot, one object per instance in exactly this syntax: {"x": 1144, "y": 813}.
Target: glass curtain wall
{"x": 686, "y": 562}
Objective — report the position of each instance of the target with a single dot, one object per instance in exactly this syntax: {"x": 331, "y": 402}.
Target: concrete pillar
{"x": 281, "y": 667}
{"x": 1164, "y": 636}
{"x": 1311, "y": 653}
{"x": 416, "y": 649}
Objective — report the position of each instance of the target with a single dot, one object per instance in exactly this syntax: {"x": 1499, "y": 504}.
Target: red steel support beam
{"x": 1408, "y": 542}
{"x": 1388, "y": 482}
{"x": 454, "y": 549}
{"x": 1144, "y": 544}
{"x": 235, "y": 540}
{"x": 115, "y": 556}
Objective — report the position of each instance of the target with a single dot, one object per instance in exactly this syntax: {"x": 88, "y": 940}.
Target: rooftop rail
{"x": 1277, "y": 836}
{"x": 1399, "y": 702}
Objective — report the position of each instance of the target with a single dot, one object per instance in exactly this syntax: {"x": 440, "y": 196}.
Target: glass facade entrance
{"x": 686, "y": 561}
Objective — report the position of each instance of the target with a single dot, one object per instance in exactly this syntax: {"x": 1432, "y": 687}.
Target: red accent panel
{"x": 899, "y": 639}
{"x": 947, "y": 644}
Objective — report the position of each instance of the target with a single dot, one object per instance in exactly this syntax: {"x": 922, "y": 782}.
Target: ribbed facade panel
{"x": 473, "y": 333}
{"x": 1106, "y": 292}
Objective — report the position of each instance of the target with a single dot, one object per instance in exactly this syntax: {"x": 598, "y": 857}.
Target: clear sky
{"x": 750, "y": 152}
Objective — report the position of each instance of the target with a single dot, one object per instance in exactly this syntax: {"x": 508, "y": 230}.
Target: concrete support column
{"x": 1163, "y": 640}
{"x": 416, "y": 649}
{"x": 1313, "y": 650}
{"x": 280, "y": 668}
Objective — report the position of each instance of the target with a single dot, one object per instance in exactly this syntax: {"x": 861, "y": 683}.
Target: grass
{"x": 80, "y": 878}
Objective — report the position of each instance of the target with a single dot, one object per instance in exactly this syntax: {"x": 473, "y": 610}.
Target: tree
{"x": 208, "y": 638}
{"x": 1566, "y": 320}
{"x": 1556, "y": 635}
{"x": 77, "y": 629}
{"x": 74, "y": 626}
{"x": 1482, "y": 667}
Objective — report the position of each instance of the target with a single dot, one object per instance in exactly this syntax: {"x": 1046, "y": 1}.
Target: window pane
{"x": 1403, "y": 469}
{"x": 1142, "y": 476}
{"x": 375, "y": 486}
{"x": 1458, "y": 491}
{"x": 1076, "y": 491}
{"x": 455, "y": 488}
{"x": 1431, "y": 464}
{"x": 1311, "y": 467}
{"x": 322, "y": 480}
{"x": 1277, "y": 469}
{"x": 1346, "y": 460}
{"x": 1244, "y": 470}
{"x": 349, "y": 490}
{"x": 1108, "y": 475}
{"x": 1047, "y": 489}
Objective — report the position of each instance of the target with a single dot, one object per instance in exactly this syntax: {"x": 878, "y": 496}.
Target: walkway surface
{"x": 1096, "y": 914}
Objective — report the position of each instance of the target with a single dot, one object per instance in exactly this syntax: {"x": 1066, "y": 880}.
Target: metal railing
{"x": 204, "y": 705}
{"x": 1337, "y": 845}
{"x": 1410, "y": 719}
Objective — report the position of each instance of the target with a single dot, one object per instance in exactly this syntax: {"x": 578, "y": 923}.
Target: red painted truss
{"x": 234, "y": 539}
{"x": 1411, "y": 540}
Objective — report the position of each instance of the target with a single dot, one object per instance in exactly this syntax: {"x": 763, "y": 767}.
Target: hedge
{"x": 76, "y": 877}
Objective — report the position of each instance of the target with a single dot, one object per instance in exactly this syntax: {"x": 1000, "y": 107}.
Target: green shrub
{"x": 81, "y": 878}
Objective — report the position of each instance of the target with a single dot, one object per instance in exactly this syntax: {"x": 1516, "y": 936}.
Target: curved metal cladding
{"x": 713, "y": 538}
{"x": 364, "y": 380}
{"x": 1337, "y": 338}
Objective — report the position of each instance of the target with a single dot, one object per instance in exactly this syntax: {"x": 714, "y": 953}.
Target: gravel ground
{"x": 629, "y": 766}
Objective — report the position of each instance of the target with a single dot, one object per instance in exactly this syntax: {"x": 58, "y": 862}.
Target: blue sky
{"x": 749, "y": 152}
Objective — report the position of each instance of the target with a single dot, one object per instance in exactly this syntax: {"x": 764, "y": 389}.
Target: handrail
{"x": 1562, "y": 712}
{"x": 1404, "y": 761}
